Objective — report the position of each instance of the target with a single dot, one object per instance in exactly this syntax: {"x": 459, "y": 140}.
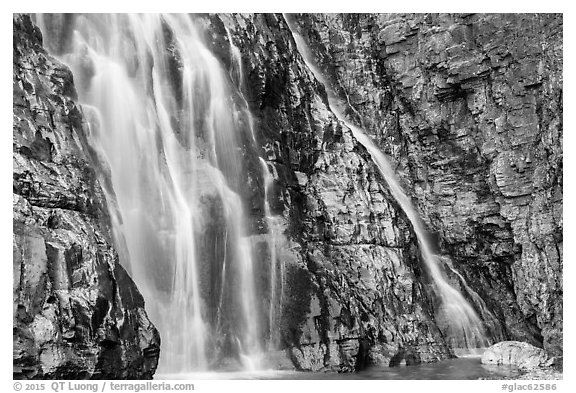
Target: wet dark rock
{"x": 469, "y": 107}
{"x": 353, "y": 288}
{"x": 77, "y": 313}
{"x": 405, "y": 358}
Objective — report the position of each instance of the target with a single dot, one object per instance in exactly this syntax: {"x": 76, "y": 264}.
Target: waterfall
{"x": 237, "y": 57}
{"x": 166, "y": 128}
{"x": 276, "y": 266}
{"x": 274, "y": 235}
{"x": 170, "y": 124}
{"x": 457, "y": 318}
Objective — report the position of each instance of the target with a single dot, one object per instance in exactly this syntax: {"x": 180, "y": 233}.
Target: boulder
{"x": 516, "y": 353}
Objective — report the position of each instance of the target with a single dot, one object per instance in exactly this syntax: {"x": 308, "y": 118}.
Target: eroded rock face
{"x": 455, "y": 105}
{"x": 77, "y": 313}
{"x": 516, "y": 353}
{"x": 353, "y": 288}
{"x": 469, "y": 107}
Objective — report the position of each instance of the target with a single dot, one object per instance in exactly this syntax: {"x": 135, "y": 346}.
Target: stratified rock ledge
{"x": 77, "y": 313}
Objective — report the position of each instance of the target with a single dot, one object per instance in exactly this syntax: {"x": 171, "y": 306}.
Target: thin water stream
{"x": 276, "y": 268}
{"x": 163, "y": 119}
{"x": 462, "y": 326}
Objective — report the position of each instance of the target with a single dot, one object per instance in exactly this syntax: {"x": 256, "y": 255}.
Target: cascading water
{"x": 167, "y": 130}
{"x": 276, "y": 266}
{"x": 237, "y": 57}
{"x": 458, "y": 319}
{"x": 272, "y": 221}
{"x": 163, "y": 116}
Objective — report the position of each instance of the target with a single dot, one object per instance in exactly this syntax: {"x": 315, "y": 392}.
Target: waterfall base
{"x": 466, "y": 368}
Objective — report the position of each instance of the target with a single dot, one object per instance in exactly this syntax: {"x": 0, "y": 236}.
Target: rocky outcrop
{"x": 354, "y": 287}
{"x": 469, "y": 107}
{"x": 471, "y": 118}
{"x": 351, "y": 286}
{"x": 77, "y": 313}
{"x": 516, "y": 353}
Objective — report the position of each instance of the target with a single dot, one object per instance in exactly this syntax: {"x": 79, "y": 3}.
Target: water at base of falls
{"x": 455, "y": 315}
{"x": 165, "y": 122}
{"x": 465, "y": 368}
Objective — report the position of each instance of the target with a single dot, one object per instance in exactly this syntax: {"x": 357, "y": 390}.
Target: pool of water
{"x": 453, "y": 369}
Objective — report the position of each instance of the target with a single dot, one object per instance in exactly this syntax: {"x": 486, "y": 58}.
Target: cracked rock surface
{"x": 77, "y": 313}
{"x": 469, "y": 107}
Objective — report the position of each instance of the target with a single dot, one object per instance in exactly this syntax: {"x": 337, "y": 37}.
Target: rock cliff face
{"x": 470, "y": 109}
{"x": 77, "y": 313}
{"x": 354, "y": 287}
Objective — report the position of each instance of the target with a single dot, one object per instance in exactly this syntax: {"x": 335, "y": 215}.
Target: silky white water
{"x": 274, "y": 235}
{"x": 164, "y": 119}
{"x": 276, "y": 265}
{"x": 457, "y": 318}
{"x": 165, "y": 122}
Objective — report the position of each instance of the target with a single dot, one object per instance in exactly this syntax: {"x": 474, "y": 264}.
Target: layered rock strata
{"x": 469, "y": 107}
{"x": 354, "y": 287}
{"x": 77, "y": 313}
